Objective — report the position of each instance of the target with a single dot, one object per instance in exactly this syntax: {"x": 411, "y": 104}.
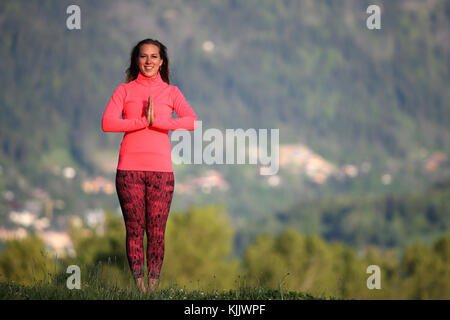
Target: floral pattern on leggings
{"x": 145, "y": 198}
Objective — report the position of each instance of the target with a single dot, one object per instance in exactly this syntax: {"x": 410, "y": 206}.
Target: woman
{"x": 144, "y": 177}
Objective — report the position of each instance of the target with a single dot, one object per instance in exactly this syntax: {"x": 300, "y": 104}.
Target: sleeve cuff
{"x": 144, "y": 122}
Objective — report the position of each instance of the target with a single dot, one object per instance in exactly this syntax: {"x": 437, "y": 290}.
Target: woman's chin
{"x": 149, "y": 75}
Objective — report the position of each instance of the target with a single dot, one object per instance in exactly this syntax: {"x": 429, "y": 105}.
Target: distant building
{"x": 95, "y": 219}
{"x": 298, "y": 158}
{"x": 24, "y": 218}
{"x": 272, "y": 180}
{"x": 9, "y": 234}
{"x": 97, "y": 185}
{"x": 211, "y": 179}
{"x": 434, "y": 161}
{"x": 208, "y": 46}
{"x": 294, "y": 155}
{"x": 69, "y": 172}
{"x": 386, "y": 179}
{"x": 350, "y": 170}
{"x": 59, "y": 242}
{"x": 29, "y": 219}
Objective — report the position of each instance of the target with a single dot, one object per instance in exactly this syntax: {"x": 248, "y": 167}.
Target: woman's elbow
{"x": 195, "y": 122}
{"x": 105, "y": 126}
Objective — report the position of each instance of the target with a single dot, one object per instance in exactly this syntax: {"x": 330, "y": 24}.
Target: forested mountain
{"x": 310, "y": 68}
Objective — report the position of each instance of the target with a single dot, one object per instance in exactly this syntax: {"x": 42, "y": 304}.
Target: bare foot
{"x": 140, "y": 285}
{"x": 152, "y": 284}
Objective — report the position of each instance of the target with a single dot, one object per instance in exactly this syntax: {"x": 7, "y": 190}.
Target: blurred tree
{"x": 302, "y": 262}
{"x": 336, "y": 270}
{"x": 425, "y": 271}
{"x": 26, "y": 261}
{"x": 101, "y": 252}
{"x": 198, "y": 249}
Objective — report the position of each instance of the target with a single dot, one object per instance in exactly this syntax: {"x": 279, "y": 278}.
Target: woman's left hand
{"x": 150, "y": 111}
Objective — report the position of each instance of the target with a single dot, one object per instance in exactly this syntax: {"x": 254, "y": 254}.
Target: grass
{"x": 94, "y": 287}
{"x": 45, "y": 291}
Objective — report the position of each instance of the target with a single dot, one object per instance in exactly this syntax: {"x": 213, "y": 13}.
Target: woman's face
{"x": 149, "y": 60}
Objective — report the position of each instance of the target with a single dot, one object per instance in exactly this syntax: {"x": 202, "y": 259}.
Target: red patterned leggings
{"x": 145, "y": 198}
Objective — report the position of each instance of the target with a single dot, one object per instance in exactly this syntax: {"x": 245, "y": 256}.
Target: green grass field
{"x": 42, "y": 291}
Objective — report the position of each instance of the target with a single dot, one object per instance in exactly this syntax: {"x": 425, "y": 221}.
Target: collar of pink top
{"x": 146, "y": 80}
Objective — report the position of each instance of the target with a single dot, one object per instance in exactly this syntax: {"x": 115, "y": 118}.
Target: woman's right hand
{"x": 150, "y": 111}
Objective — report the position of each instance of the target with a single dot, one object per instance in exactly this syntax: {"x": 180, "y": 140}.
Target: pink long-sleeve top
{"x": 147, "y": 147}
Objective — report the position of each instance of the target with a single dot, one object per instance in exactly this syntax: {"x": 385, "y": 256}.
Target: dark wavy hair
{"x": 133, "y": 70}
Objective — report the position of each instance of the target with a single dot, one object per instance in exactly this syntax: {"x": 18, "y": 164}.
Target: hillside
{"x": 310, "y": 68}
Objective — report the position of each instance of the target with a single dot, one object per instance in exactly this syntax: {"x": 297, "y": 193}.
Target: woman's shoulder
{"x": 174, "y": 89}
{"x": 127, "y": 86}
{"x": 122, "y": 86}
